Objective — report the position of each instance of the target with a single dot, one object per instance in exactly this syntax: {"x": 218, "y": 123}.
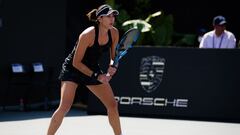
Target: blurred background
{"x": 41, "y": 33}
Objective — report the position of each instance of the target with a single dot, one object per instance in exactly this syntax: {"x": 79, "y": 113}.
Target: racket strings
{"x": 126, "y": 42}
{"x": 130, "y": 39}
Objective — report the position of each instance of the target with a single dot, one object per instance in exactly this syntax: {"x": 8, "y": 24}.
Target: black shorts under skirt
{"x": 74, "y": 75}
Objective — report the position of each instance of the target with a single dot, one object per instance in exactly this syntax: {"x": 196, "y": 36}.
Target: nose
{"x": 112, "y": 19}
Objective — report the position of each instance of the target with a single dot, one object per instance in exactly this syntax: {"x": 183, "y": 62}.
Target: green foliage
{"x": 186, "y": 40}
{"x": 111, "y": 3}
{"x": 162, "y": 30}
{"x": 121, "y": 18}
{"x": 157, "y": 29}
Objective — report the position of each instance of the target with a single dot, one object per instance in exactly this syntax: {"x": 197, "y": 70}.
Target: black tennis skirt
{"x": 70, "y": 73}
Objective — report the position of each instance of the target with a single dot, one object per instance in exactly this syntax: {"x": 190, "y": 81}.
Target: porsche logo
{"x": 151, "y": 72}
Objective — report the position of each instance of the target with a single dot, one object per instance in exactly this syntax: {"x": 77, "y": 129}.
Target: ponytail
{"x": 92, "y": 15}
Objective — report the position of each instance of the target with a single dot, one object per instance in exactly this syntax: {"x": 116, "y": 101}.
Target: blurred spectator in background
{"x": 219, "y": 37}
{"x": 201, "y": 32}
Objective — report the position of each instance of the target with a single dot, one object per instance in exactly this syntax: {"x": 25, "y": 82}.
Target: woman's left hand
{"x": 112, "y": 70}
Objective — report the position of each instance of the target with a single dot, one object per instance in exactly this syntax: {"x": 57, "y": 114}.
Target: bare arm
{"x": 85, "y": 40}
{"x": 115, "y": 38}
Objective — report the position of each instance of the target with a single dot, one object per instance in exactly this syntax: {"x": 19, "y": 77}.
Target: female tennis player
{"x": 81, "y": 68}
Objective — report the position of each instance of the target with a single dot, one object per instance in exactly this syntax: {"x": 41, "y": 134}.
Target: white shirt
{"x": 210, "y": 40}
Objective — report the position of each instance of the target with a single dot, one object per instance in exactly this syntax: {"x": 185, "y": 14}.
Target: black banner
{"x": 183, "y": 83}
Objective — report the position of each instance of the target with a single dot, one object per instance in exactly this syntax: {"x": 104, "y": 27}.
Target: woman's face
{"x": 107, "y": 21}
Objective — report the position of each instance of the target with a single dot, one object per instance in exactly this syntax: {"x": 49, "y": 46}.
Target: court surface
{"x": 79, "y": 123}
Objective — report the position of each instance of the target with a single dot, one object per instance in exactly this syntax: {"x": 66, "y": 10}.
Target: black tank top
{"x": 92, "y": 54}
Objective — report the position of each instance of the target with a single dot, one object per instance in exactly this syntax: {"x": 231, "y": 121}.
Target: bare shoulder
{"x": 88, "y": 31}
{"x": 114, "y": 32}
{"x": 88, "y": 34}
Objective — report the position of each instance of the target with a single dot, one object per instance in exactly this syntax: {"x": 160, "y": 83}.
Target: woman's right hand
{"x": 103, "y": 78}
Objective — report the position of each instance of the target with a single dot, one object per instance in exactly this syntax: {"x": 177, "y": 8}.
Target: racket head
{"x": 128, "y": 39}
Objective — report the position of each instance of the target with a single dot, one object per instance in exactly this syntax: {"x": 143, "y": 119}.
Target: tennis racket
{"x": 128, "y": 39}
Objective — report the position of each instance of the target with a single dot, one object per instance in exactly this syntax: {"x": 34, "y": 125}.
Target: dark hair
{"x": 92, "y": 15}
